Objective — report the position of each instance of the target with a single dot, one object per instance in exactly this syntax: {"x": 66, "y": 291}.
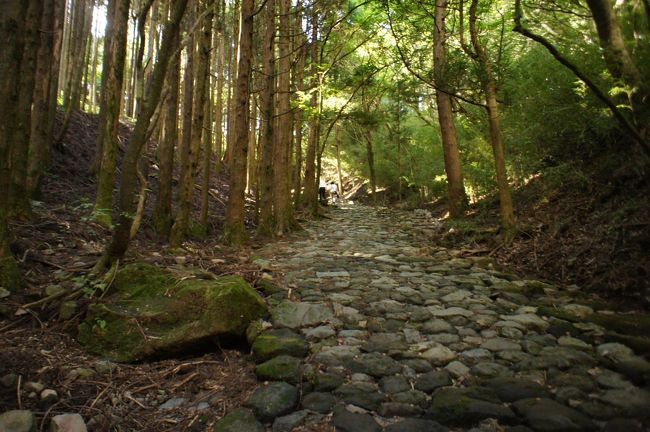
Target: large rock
{"x": 18, "y": 421}
{"x": 274, "y": 343}
{"x": 294, "y": 315}
{"x": 151, "y": 314}
{"x": 273, "y": 400}
{"x": 240, "y": 420}
{"x": 549, "y": 416}
{"x": 68, "y": 423}
{"x": 463, "y": 407}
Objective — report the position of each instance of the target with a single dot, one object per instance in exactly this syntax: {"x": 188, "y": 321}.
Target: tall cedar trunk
{"x": 109, "y": 111}
{"x": 206, "y": 133}
{"x": 40, "y": 137}
{"x": 218, "y": 109}
{"x": 120, "y": 239}
{"x": 234, "y": 229}
{"x": 265, "y": 221}
{"x": 162, "y": 217}
{"x": 489, "y": 87}
{"x": 455, "y": 187}
{"x": 621, "y": 64}
{"x": 337, "y": 143}
{"x": 12, "y": 22}
{"x": 251, "y": 172}
{"x": 233, "y": 65}
{"x": 188, "y": 93}
{"x": 106, "y": 65}
{"x": 19, "y": 202}
{"x": 138, "y": 62}
{"x": 81, "y": 30}
{"x": 310, "y": 198}
{"x": 93, "y": 74}
{"x": 188, "y": 174}
{"x": 283, "y": 211}
{"x": 298, "y": 77}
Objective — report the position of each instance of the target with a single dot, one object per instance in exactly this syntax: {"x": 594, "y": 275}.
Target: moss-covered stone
{"x": 281, "y": 368}
{"x": 268, "y": 287}
{"x": 273, "y": 343}
{"x": 150, "y": 313}
{"x": 240, "y": 420}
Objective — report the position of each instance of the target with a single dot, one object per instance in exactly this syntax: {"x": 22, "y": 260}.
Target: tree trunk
{"x": 81, "y": 30}
{"x": 111, "y": 99}
{"x": 489, "y": 87}
{"x": 234, "y": 228}
{"x": 370, "y": 154}
{"x": 283, "y": 211}
{"x": 265, "y": 185}
{"x": 40, "y": 137}
{"x": 218, "y": 110}
{"x": 455, "y": 187}
{"x": 12, "y": 22}
{"x": 310, "y": 198}
{"x": 337, "y": 143}
{"x": 188, "y": 174}
{"x": 620, "y": 63}
{"x": 120, "y": 239}
{"x": 298, "y": 76}
{"x": 19, "y": 202}
{"x": 206, "y": 138}
{"x": 162, "y": 217}
{"x": 138, "y": 61}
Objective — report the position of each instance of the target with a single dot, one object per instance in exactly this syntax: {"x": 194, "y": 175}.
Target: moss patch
{"x": 150, "y": 313}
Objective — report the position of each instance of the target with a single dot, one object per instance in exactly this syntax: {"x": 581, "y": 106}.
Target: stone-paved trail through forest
{"x": 382, "y": 331}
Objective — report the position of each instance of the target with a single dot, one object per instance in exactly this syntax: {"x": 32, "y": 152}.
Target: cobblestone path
{"x": 383, "y": 332}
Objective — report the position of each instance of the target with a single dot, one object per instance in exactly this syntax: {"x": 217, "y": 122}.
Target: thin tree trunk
{"x": 218, "y": 110}
{"x": 266, "y": 178}
{"x": 310, "y": 198}
{"x": 206, "y": 135}
{"x": 370, "y": 155}
{"x": 455, "y": 187}
{"x": 111, "y": 99}
{"x": 162, "y": 217}
{"x": 234, "y": 228}
{"x": 298, "y": 75}
{"x": 337, "y": 143}
{"x": 138, "y": 61}
{"x": 233, "y": 67}
{"x": 188, "y": 174}
{"x": 489, "y": 87}
{"x": 120, "y": 239}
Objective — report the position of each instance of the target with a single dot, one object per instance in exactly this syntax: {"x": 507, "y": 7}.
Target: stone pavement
{"x": 372, "y": 329}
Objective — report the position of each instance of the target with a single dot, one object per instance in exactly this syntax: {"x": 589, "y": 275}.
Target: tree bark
{"x": 455, "y": 187}
{"x": 12, "y": 22}
{"x": 111, "y": 99}
{"x": 283, "y": 212}
{"x": 310, "y": 197}
{"x": 266, "y": 178}
{"x": 188, "y": 174}
{"x": 234, "y": 228}
{"x": 162, "y": 217}
{"x": 19, "y": 202}
{"x": 120, "y": 239}
{"x": 508, "y": 224}
{"x": 41, "y": 132}
{"x": 621, "y": 64}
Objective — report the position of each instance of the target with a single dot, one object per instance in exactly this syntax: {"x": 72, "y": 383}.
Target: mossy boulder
{"x": 281, "y": 368}
{"x": 152, "y": 314}
{"x": 278, "y": 342}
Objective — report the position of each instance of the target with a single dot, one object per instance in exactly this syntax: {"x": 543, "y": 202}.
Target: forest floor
{"x": 569, "y": 236}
